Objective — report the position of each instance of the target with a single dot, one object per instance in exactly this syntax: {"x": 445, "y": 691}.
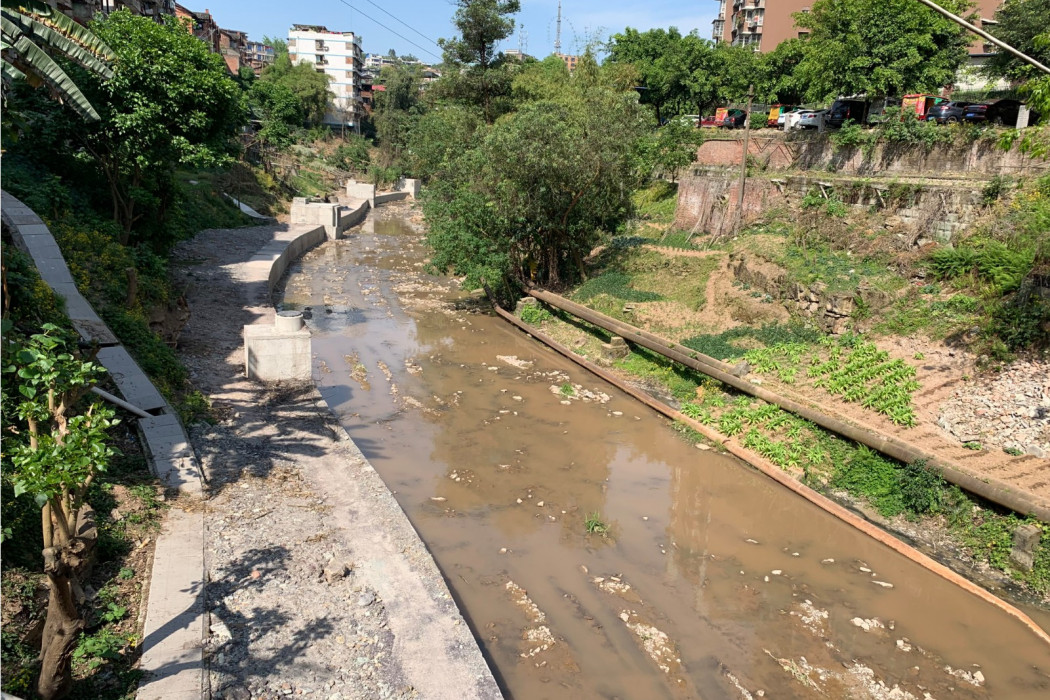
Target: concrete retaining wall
{"x": 333, "y": 216}
{"x": 817, "y": 152}
{"x": 707, "y": 203}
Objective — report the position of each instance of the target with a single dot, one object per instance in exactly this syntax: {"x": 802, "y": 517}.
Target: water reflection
{"x": 713, "y": 580}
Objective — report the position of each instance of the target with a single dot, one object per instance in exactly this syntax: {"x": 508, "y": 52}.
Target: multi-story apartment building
{"x": 761, "y": 24}
{"x": 338, "y": 55}
{"x": 233, "y": 47}
{"x": 570, "y": 60}
{"x": 84, "y": 10}
{"x": 201, "y": 24}
{"x": 258, "y": 56}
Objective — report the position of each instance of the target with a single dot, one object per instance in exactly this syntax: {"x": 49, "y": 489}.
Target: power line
{"x": 401, "y": 36}
{"x": 399, "y": 21}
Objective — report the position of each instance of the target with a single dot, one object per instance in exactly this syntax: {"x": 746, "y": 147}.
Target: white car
{"x": 811, "y": 118}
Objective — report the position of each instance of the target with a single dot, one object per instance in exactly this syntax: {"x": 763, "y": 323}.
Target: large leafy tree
{"x": 1025, "y": 25}
{"x": 476, "y": 71}
{"x": 663, "y": 65}
{"x": 32, "y": 31}
{"x": 879, "y": 47}
{"x": 529, "y": 199}
{"x": 306, "y": 83}
{"x": 397, "y": 108}
{"x": 170, "y": 102}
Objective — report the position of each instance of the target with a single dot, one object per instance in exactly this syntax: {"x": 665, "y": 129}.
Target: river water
{"x": 711, "y": 582}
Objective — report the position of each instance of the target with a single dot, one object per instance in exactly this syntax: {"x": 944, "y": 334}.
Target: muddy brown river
{"x": 711, "y": 582}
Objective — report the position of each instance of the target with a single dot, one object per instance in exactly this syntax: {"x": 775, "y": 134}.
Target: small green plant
{"x": 1013, "y": 451}
{"x": 534, "y": 314}
{"x": 594, "y": 525}
{"x": 567, "y": 390}
{"x": 918, "y": 356}
{"x": 972, "y": 445}
{"x": 94, "y": 649}
{"x": 126, "y": 573}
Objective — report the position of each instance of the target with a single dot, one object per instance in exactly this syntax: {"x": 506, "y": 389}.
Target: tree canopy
{"x": 1025, "y": 25}
{"x": 475, "y": 70}
{"x": 169, "y": 102}
{"x": 879, "y": 47}
{"x": 527, "y": 197}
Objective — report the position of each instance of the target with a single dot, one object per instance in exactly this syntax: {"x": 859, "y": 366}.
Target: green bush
{"x": 1022, "y": 320}
{"x": 991, "y": 261}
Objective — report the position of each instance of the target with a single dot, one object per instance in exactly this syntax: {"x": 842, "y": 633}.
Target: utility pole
{"x": 743, "y": 160}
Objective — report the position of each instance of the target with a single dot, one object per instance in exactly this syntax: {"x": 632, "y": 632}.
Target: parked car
{"x": 920, "y": 104}
{"x": 811, "y": 118}
{"x": 708, "y": 122}
{"x": 855, "y": 110}
{"x": 734, "y": 118}
{"x": 783, "y": 116}
{"x": 777, "y": 112}
{"x": 1000, "y": 112}
{"x": 878, "y": 107}
{"x": 948, "y": 112}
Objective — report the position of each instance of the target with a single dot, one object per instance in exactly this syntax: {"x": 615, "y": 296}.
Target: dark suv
{"x": 948, "y": 112}
{"x": 843, "y": 110}
{"x": 999, "y": 112}
{"x": 734, "y": 119}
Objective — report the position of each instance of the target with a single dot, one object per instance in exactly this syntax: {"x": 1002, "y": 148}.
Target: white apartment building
{"x": 338, "y": 55}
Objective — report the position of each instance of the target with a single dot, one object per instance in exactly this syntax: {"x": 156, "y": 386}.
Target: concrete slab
{"x": 53, "y": 271}
{"x": 172, "y": 458}
{"x": 132, "y": 382}
{"x": 173, "y": 635}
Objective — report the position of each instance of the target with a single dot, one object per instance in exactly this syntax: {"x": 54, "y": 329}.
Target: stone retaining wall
{"x": 924, "y": 212}
{"x": 778, "y": 151}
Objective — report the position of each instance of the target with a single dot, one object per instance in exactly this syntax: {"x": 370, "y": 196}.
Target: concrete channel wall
{"x": 173, "y": 631}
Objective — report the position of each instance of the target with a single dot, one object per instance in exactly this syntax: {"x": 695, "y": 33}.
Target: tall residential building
{"x": 259, "y": 56}
{"x": 569, "y": 59}
{"x": 339, "y": 56}
{"x": 761, "y": 24}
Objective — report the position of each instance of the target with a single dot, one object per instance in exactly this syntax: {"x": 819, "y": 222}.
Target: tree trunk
{"x": 63, "y": 621}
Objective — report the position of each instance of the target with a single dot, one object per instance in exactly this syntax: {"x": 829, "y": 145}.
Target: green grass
{"x": 594, "y": 525}
{"x": 936, "y": 317}
{"x": 614, "y": 284}
{"x": 836, "y": 269}
{"x": 721, "y": 346}
{"x": 657, "y": 202}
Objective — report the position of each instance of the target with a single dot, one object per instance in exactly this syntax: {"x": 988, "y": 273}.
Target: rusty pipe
{"x": 777, "y": 474}
{"x": 992, "y": 489}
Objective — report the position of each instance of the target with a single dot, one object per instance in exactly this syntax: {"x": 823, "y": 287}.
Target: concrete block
{"x": 135, "y": 387}
{"x": 1026, "y": 540}
{"x": 271, "y": 354}
{"x": 615, "y": 349}
{"x": 361, "y": 190}
{"x": 412, "y": 186}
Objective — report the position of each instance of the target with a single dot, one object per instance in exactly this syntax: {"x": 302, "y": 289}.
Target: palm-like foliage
{"x": 32, "y": 30}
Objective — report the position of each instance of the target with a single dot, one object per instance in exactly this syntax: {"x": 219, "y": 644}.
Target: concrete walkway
{"x": 250, "y": 459}
{"x": 172, "y": 648}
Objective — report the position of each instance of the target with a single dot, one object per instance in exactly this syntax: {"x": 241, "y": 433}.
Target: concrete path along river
{"x": 711, "y": 581}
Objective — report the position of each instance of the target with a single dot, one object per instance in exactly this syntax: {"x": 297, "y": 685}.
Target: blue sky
{"x": 581, "y": 20}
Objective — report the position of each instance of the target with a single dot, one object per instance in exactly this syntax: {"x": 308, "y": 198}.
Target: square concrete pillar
{"x": 278, "y": 352}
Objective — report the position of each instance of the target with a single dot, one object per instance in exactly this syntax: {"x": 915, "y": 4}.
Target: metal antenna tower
{"x": 557, "y": 35}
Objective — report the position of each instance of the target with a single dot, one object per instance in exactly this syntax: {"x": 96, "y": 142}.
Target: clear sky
{"x": 582, "y": 20}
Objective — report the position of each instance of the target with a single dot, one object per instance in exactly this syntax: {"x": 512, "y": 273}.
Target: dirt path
{"x": 318, "y": 585}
